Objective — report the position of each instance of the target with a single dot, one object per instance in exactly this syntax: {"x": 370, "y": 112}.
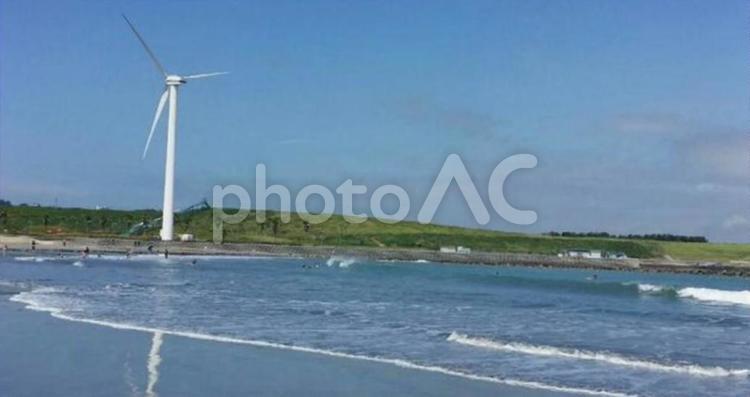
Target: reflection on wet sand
{"x": 154, "y": 359}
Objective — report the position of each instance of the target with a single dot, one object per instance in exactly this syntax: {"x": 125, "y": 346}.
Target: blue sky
{"x": 636, "y": 110}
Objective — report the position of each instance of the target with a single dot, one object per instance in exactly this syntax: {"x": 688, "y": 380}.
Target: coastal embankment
{"x": 132, "y": 246}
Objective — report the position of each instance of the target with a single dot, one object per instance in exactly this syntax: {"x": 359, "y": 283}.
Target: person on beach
{"x": 166, "y": 253}
{"x": 33, "y": 245}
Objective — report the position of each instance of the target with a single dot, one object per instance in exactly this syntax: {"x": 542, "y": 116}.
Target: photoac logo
{"x": 453, "y": 170}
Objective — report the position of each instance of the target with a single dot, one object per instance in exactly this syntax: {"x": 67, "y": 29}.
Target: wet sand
{"x": 45, "y": 356}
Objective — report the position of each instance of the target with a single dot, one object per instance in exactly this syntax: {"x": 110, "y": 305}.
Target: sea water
{"x": 617, "y": 334}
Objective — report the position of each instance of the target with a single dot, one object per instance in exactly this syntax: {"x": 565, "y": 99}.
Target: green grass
{"x": 62, "y": 222}
{"x": 707, "y": 252}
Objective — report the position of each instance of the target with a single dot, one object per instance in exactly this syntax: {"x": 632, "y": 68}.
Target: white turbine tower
{"x": 172, "y": 81}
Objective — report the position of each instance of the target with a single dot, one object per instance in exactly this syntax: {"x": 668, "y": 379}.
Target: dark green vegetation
{"x": 55, "y": 221}
{"x": 657, "y": 237}
{"x": 62, "y": 222}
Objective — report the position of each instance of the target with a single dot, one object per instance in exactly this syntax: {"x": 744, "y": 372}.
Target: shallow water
{"x": 559, "y": 330}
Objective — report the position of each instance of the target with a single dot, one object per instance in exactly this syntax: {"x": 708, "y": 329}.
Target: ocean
{"x": 508, "y": 330}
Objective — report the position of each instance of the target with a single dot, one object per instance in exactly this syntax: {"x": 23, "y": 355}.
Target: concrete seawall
{"x": 123, "y": 246}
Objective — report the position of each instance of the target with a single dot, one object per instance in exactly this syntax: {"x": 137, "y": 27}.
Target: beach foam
{"x": 716, "y": 295}
{"x": 29, "y": 299}
{"x": 606, "y": 357}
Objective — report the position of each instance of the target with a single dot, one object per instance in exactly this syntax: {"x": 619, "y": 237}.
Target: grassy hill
{"x": 61, "y": 222}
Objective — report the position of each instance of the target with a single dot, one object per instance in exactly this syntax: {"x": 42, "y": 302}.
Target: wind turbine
{"x": 172, "y": 82}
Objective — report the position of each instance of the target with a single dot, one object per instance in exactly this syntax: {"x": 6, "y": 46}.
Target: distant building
{"x": 579, "y": 253}
{"x": 463, "y": 250}
{"x": 616, "y": 255}
{"x": 187, "y": 237}
{"x": 455, "y": 250}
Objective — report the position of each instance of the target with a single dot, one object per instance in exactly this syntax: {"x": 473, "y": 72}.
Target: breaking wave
{"x": 653, "y": 289}
{"x": 630, "y": 289}
{"x": 606, "y": 357}
{"x": 29, "y": 299}
{"x": 341, "y": 261}
{"x": 716, "y": 295}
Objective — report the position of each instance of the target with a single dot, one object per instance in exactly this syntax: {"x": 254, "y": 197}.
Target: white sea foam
{"x": 28, "y": 298}
{"x": 78, "y": 264}
{"x": 158, "y": 257}
{"x": 341, "y": 261}
{"x": 716, "y": 295}
{"x": 34, "y": 258}
{"x": 697, "y": 293}
{"x": 606, "y": 357}
{"x": 650, "y": 288}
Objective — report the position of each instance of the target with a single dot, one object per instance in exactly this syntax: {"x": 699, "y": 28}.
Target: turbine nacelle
{"x": 174, "y": 79}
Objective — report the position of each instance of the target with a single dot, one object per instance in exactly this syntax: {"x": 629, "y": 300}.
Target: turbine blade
{"x": 159, "y": 109}
{"x": 202, "y": 75}
{"x": 145, "y": 46}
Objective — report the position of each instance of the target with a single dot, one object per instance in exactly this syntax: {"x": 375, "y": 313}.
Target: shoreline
{"x": 23, "y": 244}
{"x": 121, "y": 356}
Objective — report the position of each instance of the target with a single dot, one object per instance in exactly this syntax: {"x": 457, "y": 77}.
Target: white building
{"x": 616, "y": 255}
{"x": 187, "y": 237}
{"x": 586, "y": 254}
{"x": 455, "y": 250}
